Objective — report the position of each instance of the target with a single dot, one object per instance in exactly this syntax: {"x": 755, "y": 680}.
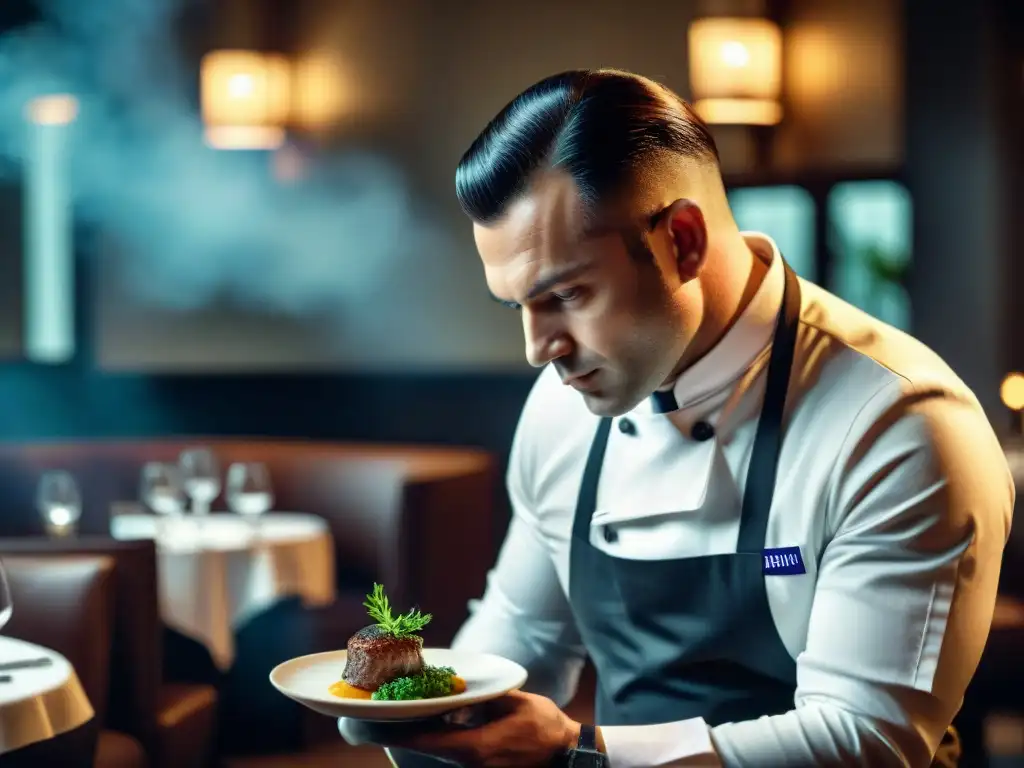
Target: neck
{"x": 728, "y": 282}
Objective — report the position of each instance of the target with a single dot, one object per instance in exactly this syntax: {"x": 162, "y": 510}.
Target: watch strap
{"x": 586, "y": 755}
{"x": 588, "y": 738}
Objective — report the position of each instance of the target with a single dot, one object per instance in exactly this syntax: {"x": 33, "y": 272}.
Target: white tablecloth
{"x": 38, "y": 703}
{"x": 216, "y": 575}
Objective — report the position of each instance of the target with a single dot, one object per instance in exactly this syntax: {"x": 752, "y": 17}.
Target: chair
{"x": 66, "y": 605}
{"x": 173, "y": 723}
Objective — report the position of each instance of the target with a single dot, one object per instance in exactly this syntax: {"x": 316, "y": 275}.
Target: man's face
{"x": 593, "y": 306}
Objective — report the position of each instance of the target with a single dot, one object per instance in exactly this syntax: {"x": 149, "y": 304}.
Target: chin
{"x": 607, "y": 405}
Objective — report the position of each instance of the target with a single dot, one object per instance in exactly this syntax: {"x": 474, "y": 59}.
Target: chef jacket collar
{"x": 738, "y": 349}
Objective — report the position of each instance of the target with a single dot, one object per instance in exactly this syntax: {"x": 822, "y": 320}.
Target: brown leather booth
{"x": 67, "y": 606}
{"x": 149, "y": 721}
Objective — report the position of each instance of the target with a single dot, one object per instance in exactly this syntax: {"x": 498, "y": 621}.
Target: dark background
{"x": 932, "y": 96}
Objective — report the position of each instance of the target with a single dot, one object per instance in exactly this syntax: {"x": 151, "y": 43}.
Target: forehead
{"x": 539, "y": 226}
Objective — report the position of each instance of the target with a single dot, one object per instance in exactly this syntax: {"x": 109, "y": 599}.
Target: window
{"x": 866, "y": 225}
{"x": 869, "y": 226}
{"x": 786, "y": 214}
{"x": 49, "y": 330}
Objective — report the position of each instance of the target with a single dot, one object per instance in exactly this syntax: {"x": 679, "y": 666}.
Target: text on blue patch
{"x": 783, "y": 561}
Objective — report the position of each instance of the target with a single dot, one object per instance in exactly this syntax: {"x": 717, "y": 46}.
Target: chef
{"x": 773, "y": 523}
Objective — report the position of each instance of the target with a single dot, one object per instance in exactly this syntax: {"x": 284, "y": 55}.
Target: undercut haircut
{"x": 604, "y": 127}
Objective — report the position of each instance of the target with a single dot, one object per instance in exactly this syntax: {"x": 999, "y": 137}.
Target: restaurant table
{"x": 217, "y": 572}
{"x": 41, "y": 702}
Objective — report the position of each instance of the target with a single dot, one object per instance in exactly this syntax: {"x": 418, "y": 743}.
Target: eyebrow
{"x": 545, "y": 284}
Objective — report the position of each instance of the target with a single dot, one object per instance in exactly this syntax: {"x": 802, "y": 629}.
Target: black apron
{"x": 690, "y": 637}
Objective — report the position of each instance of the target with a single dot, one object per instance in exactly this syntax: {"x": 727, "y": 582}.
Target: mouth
{"x": 583, "y": 382}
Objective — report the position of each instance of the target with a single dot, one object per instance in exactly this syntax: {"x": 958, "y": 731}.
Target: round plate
{"x": 307, "y": 679}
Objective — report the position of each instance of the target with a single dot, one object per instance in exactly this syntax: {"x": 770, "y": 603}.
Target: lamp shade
{"x": 246, "y": 98}
{"x": 736, "y": 70}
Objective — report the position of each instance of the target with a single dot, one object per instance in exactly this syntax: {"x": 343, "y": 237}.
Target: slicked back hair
{"x": 603, "y": 127}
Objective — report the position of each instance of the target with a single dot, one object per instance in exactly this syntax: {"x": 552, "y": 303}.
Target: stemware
{"x": 59, "y": 502}
{"x": 249, "y": 491}
{"x": 6, "y": 604}
{"x": 200, "y": 473}
{"x": 162, "y": 492}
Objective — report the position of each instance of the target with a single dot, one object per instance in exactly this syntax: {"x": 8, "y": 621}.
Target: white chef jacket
{"x": 891, "y": 481}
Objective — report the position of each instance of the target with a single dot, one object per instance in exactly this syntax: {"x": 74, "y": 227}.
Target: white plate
{"x": 307, "y": 679}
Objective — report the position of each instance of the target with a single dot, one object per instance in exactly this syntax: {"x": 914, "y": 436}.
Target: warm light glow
{"x": 736, "y": 70}
{"x": 735, "y": 54}
{"x": 739, "y": 111}
{"x": 245, "y": 137}
{"x": 321, "y": 92}
{"x": 246, "y": 99}
{"x": 1012, "y": 391}
{"x": 814, "y": 64}
{"x": 241, "y": 86}
{"x": 55, "y": 109}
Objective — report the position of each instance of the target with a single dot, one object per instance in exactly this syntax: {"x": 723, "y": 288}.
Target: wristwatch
{"x": 586, "y": 754}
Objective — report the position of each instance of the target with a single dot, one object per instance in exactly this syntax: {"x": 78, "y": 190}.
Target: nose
{"x": 546, "y": 338}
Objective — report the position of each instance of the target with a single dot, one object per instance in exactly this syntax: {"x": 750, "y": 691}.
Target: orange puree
{"x": 346, "y": 691}
{"x": 343, "y": 690}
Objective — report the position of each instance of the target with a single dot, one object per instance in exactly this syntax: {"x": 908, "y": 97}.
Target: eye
{"x": 568, "y": 295}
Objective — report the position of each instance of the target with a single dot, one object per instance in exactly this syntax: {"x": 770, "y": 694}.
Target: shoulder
{"x": 868, "y": 351}
{"x": 903, "y": 415}
{"x": 853, "y": 369}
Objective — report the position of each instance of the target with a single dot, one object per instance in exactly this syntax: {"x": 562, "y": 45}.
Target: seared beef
{"x": 376, "y": 657}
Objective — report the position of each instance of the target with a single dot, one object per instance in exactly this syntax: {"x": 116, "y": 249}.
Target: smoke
{"x": 193, "y": 224}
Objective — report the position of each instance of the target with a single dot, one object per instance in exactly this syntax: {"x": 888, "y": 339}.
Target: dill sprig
{"x": 402, "y": 625}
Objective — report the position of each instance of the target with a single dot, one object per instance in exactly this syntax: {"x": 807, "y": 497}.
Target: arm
{"x": 921, "y": 506}
{"x": 524, "y": 614}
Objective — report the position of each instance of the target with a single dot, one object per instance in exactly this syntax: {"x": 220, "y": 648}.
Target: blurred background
{"x": 228, "y": 227}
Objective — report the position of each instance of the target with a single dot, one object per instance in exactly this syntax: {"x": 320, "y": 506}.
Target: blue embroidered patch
{"x": 784, "y": 561}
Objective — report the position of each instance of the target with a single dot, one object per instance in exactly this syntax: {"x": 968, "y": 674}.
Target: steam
{"x": 191, "y": 223}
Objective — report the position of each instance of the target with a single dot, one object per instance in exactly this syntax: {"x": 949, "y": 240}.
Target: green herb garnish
{"x": 429, "y": 684}
{"x": 403, "y": 625}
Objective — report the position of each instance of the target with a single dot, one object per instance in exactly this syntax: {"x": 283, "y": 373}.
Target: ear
{"x": 684, "y": 222}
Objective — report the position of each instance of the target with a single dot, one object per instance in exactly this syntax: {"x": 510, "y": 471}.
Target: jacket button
{"x": 610, "y": 534}
{"x": 627, "y": 427}
{"x": 702, "y": 431}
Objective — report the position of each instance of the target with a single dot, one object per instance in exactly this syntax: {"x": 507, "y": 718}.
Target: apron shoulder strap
{"x": 764, "y": 459}
{"x": 587, "y": 501}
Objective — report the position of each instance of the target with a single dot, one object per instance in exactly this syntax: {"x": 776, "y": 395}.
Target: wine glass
{"x": 6, "y": 604}
{"x": 59, "y": 502}
{"x": 200, "y": 474}
{"x": 249, "y": 492}
{"x": 162, "y": 492}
